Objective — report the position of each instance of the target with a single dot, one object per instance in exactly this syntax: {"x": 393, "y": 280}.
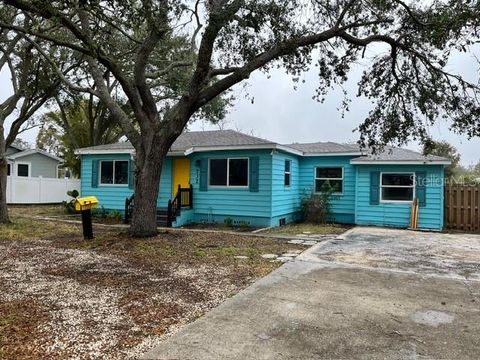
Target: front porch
{"x": 167, "y": 216}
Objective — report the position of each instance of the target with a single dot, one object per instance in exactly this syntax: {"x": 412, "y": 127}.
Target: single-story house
{"x": 31, "y": 163}
{"x": 248, "y": 180}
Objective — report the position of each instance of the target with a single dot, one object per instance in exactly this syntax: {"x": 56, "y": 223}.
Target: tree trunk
{"x": 4, "y": 218}
{"x": 147, "y": 181}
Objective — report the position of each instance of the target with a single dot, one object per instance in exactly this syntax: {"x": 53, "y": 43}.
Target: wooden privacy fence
{"x": 462, "y": 210}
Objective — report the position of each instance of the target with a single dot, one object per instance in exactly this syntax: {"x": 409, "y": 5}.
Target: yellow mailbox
{"x": 86, "y": 203}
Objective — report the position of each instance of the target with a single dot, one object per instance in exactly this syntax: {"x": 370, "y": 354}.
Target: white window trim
{"x": 287, "y": 172}
{"x": 113, "y": 174}
{"x": 228, "y": 173}
{"x": 23, "y": 163}
{"x": 382, "y": 200}
{"x": 327, "y": 167}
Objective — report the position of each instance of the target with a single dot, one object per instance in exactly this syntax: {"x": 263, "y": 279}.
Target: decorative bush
{"x": 100, "y": 212}
{"x": 115, "y": 214}
{"x": 316, "y": 208}
{"x": 69, "y": 206}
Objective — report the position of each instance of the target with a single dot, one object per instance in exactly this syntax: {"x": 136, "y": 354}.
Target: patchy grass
{"x": 308, "y": 228}
{"x": 23, "y": 228}
{"x": 37, "y": 210}
{"x": 99, "y": 216}
{"x": 132, "y": 291}
{"x": 184, "y": 247}
{"x": 221, "y": 226}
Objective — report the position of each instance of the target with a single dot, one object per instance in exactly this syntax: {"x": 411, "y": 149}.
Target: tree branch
{"x": 169, "y": 68}
{"x": 259, "y": 61}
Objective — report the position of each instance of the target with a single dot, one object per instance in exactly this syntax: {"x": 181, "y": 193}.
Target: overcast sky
{"x": 281, "y": 114}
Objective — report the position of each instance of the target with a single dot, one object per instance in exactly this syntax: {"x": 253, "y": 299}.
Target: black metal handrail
{"x": 129, "y": 202}
{"x": 183, "y": 199}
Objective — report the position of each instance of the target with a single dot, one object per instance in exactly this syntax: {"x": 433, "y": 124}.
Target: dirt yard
{"x": 114, "y": 297}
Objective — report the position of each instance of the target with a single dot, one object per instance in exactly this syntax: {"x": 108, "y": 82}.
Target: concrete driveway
{"x": 371, "y": 294}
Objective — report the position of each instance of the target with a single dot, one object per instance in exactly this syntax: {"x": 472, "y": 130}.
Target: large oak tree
{"x": 33, "y": 83}
{"x": 174, "y": 58}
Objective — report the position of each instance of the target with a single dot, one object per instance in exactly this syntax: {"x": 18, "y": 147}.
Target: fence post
{"x": 40, "y": 185}
{"x": 9, "y": 188}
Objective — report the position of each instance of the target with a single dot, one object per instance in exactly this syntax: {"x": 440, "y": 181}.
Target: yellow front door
{"x": 181, "y": 174}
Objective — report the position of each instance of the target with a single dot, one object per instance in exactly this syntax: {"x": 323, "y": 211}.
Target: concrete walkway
{"x": 374, "y": 294}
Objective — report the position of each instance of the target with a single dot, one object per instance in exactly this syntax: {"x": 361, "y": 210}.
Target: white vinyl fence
{"x": 38, "y": 190}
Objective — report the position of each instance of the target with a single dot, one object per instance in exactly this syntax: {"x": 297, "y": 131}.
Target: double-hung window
{"x": 329, "y": 178}
{"x": 114, "y": 172}
{"x": 286, "y": 179}
{"x": 397, "y": 187}
{"x": 231, "y": 172}
{"x": 23, "y": 170}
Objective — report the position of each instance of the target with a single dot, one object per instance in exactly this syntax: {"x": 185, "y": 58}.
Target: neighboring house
{"x": 259, "y": 182}
{"x": 31, "y": 163}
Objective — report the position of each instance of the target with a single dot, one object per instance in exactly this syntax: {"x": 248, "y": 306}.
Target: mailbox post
{"x": 85, "y": 206}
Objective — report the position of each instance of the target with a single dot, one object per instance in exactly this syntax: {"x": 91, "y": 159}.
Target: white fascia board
{"x": 289, "y": 150}
{"x": 28, "y": 152}
{"x": 266, "y": 146}
{"x": 103, "y": 152}
{"x": 241, "y": 147}
{"x": 176, "y": 153}
{"x": 401, "y": 162}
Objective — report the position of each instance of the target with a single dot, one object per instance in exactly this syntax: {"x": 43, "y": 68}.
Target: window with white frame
{"x": 114, "y": 172}
{"x": 9, "y": 169}
{"x": 228, "y": 172}
{"x": 287, "y": 175}
{"x": 23, "y": 170}
{"x": 329, "y": 177}
{"x": 397, "y": 187}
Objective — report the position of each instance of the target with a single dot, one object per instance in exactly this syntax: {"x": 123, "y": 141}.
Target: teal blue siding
{"x": 285, "y": 199}
{"x": 398, "y": 214}
{"x": 343, "y": 205}
{"x": 165, "y": 192}
{"x": 109, "y": 196}
{"x": 112, "y": 197}
{"x": 273, "y": 200}
{"x": 221, "y": 202}
{"x": 186, "y": 216}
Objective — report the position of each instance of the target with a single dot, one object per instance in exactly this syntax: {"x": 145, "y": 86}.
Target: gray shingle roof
{"x": 324, "y": 147}
{"x": 226, "y": 138}
{"x": 397, "y": 154}
{"x": 216, "y": 138}
{"x": 124, "y": 145}
{"x": 191, "y": 139}
{"x": 27, "y": 152}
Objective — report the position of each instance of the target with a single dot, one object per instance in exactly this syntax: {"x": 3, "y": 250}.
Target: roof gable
{"x": 27, "y": 152}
